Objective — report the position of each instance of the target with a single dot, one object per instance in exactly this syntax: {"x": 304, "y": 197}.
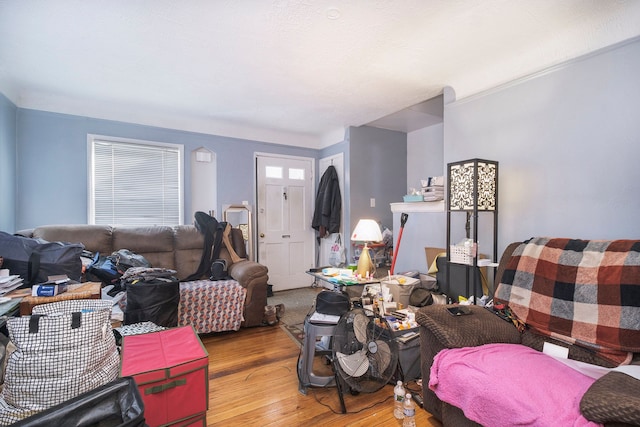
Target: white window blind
{"x": 135, "y": 182}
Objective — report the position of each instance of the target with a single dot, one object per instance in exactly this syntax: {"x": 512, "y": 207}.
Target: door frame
{"x": 255, "y": 190}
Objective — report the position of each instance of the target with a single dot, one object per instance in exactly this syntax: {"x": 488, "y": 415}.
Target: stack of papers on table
{"x": 9, "y": 283}
{"x": 323, "y": 318}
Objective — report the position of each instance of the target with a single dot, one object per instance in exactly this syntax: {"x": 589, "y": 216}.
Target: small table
{"x": 350, "y": 285}
{"x": 87, "y": 290}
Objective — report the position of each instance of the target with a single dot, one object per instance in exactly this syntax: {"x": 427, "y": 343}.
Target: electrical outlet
{"x": 373, "y": 202}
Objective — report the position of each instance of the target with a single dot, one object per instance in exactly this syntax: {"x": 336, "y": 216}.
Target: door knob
{"x": 261, "y": 234}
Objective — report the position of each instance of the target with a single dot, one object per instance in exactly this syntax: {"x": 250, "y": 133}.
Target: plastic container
{"x": 398, "y": 399}
{"x": 400, "y": 287}
{"x": 409, "y": 410}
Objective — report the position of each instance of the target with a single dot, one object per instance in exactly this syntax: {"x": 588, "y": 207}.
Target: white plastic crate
{"x": 462, "y": 254}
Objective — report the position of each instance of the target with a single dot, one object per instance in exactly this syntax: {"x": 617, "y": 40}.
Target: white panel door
{"x": 284, "y": 207}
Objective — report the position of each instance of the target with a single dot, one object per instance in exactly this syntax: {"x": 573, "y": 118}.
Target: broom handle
{"x": 403, "y": 221}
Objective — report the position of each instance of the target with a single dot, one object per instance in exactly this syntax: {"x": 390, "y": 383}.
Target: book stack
{"x": 433, "y": 188}
{"x": 9, "y": 283}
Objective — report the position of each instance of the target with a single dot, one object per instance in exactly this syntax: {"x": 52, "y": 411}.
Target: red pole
{"x": 403, "y": 220}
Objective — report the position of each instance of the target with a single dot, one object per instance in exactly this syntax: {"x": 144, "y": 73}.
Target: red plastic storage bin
{"x": 170, "y": 368}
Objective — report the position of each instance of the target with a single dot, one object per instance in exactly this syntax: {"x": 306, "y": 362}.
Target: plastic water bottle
{"x": 398, "y": 398}
{"x": 409, "y": 410}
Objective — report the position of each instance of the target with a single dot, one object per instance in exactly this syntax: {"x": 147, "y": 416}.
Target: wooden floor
{"x": 253, "y": 381}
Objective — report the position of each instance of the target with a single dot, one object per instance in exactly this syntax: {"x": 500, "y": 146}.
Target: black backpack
{"x": 219, "y": 270}
{"x": 212, "y": 230}
{"x": 332, "y": 303}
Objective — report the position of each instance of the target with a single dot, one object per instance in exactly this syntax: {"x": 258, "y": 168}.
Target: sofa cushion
{"x": 532, "y": 387}
{"x": 189, "y": 244}
{"x": 154, "y": 243}
{"x": 188, "y": 237}
{"x": 479, "y": 327}
{"x": 95, "y": 238}
{"x": 612, "y": 398}
{"x": 143, "y": 239}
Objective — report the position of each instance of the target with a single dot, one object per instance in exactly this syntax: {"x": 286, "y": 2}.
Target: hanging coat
{"x": 328, "y": 210}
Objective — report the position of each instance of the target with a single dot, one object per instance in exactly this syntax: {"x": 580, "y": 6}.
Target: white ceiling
{"x": 285, "y": 71}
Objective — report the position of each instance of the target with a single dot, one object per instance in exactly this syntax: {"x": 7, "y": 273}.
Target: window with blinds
{"x": 134, "y": 182}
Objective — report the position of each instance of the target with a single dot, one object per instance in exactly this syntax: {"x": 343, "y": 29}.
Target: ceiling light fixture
{"x": 333, "y": 13}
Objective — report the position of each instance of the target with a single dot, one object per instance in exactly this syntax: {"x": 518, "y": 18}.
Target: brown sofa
{"x": 614, "y": 399}
{"x": 178, "y": 248}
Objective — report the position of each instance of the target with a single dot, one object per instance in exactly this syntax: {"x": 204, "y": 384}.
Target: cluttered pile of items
{"x": 432, "y": 190}
{"x": 395, "y": 299}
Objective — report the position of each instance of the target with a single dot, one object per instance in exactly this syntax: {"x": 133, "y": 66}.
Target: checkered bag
{"x": 62, "y": 350}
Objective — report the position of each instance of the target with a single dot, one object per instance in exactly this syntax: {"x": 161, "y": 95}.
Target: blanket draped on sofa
{"x": 581, "y": 291}
{"x": 211, "y": 306}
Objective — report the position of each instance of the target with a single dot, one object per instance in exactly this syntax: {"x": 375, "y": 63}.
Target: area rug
{"x": 298, "y": 303}
{"x": 295, "y": 332}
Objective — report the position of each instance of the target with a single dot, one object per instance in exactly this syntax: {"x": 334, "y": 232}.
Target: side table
{"x": 88, "y": 290}
{"x": 352, "y": 287}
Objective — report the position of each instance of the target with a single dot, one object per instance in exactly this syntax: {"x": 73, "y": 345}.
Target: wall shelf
{"x": 417, "y": 207}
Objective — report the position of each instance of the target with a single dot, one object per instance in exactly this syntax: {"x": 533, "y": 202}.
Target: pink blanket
{"x": 508, "y": 385}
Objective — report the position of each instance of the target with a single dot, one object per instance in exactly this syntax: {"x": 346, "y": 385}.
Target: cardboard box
{"x": 432, "y": 254}
{"x": 171, "y": 369}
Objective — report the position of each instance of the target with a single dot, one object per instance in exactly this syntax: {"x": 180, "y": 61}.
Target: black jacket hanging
{"x": 328, "y": 210}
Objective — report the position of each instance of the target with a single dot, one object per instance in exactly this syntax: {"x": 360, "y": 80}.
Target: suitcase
{"x": 115, "y": 404}
{"x": 171, "y": 369}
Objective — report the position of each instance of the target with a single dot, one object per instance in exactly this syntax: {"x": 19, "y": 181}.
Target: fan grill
{"x": 366, "y": 357}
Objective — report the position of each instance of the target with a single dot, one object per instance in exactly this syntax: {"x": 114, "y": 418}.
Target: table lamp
{"x": 366, "y": 231}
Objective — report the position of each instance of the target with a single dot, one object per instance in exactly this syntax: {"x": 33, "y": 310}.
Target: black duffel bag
{"x": 115, "y": 404}
{"x": 35, "y": 259}
{"x": 152, "y": 295}
{"x": 332, "y": 303}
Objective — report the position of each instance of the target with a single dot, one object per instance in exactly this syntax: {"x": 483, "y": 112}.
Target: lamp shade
{"x": 473, "y": 185}
{"x": 367, "y": 230}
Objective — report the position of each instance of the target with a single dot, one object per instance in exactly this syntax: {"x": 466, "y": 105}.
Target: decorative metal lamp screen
{"x": 473, "y": 185}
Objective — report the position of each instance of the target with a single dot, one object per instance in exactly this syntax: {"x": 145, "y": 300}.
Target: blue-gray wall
{"x": 8, "y": 112}
{"x": 568, "y": 143}
{"x": 377, "y": 168}
{"x": 52, "y": 164}
{"x": 424, "y": 155}
{"x": 567, "y": 140}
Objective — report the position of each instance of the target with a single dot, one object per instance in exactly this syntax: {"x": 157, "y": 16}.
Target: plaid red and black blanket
{"x": 581, "y": 291}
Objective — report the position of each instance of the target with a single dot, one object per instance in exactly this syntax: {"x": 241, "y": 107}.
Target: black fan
{"x": 365, "y": 355}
